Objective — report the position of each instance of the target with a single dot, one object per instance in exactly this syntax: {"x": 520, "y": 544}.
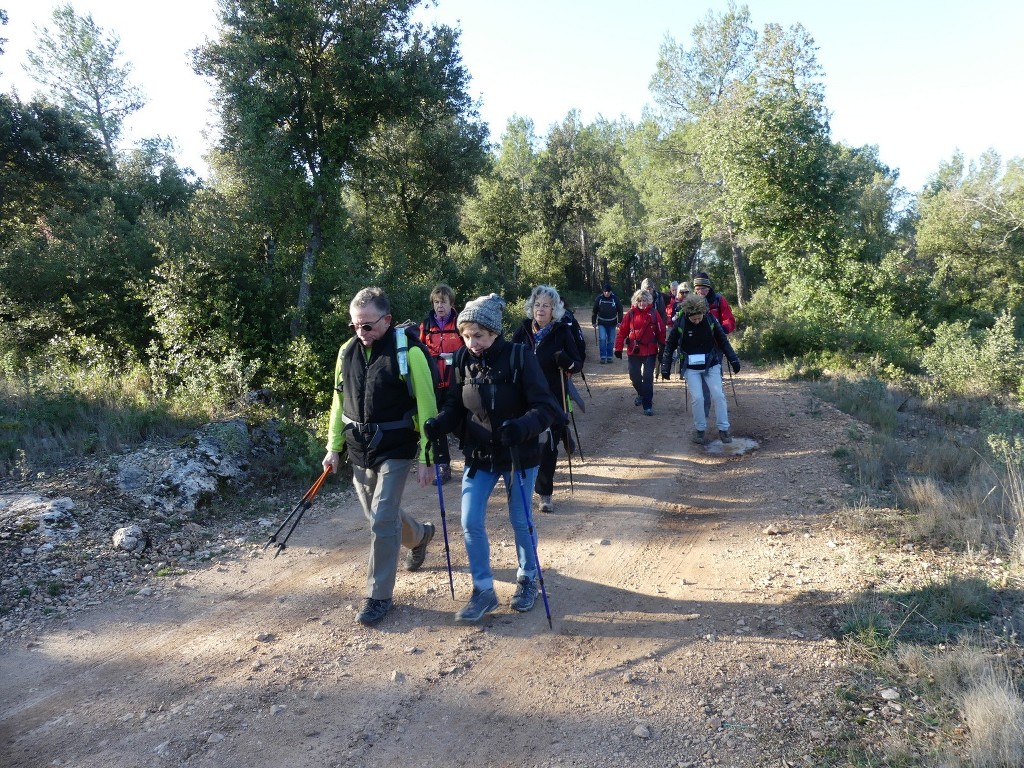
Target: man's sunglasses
{"x": 366, "y": 327}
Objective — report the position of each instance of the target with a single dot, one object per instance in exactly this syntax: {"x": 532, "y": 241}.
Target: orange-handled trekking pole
{"x": 300, "y": 509}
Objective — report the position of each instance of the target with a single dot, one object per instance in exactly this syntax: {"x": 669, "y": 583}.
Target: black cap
{"x": 607, "y": 286}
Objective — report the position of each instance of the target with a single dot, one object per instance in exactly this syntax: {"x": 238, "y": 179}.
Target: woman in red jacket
{"x": 641, "y": 332}
{"x": 441, "y": 335}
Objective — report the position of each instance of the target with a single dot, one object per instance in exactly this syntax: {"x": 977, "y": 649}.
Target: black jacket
{"x": 607, "y": 310}
{"x": 706, "y": 337}
{"x": 559, "y": 339}
{"x": 489, "y": 390}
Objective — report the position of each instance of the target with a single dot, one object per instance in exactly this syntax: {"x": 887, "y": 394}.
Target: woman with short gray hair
{"x": 554, "y": 344}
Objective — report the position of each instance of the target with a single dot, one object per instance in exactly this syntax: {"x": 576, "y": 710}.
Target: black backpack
{"x": 577, "y": 333}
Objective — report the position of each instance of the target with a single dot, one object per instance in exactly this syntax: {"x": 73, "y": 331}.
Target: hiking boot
{"x": 724, "y": 437}
{"x": 525, "y": 596}
{"x": 481, "y": 603}
{"x": 546, "y": 505}
{"x": 648, "y": 411}
{"x": 414, "y": 557}
{"x": 446, "y": 473}
{"x": 637, "y": 400}
{"x": 373, "y": 611}
{"x": 698, "y": 437}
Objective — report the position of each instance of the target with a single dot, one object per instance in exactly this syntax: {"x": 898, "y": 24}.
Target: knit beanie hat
{"x": 701, "y": 282}
{"x": 485, "y": 311}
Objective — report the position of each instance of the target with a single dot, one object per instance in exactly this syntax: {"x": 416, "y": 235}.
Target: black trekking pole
{"x": 444, "y": 516}
{"x": 520, "y": 474}
{"x": 733, "y": 387}
{"x": 579, "y": 446}
{"x": 300, "y": 509}
{"x": 565, "y": 436}
{"x": 586, "y": 384}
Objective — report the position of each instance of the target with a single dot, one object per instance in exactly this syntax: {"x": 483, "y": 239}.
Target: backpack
{"x": 577, "y": 333}
{"x": 407, "y": 334}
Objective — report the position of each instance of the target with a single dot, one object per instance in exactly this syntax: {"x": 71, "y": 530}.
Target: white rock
{"x": 889, "y": 694}
{"x": 642, "y": 732}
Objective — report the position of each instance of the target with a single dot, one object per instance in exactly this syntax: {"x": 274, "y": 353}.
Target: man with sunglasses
{"x": 382, "y": 395}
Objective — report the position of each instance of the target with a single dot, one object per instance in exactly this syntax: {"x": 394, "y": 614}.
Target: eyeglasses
{"x": 684, "y": 293}
{"x": 366, "y": 327}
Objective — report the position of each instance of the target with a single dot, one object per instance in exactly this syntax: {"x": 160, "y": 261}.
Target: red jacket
{"x": 641, "y": 332}
{"x": 720, "y": 308}
{"x": 442, "y": 342}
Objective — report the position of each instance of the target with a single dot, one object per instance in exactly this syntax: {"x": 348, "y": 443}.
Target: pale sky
{"x": 919, "y": 78}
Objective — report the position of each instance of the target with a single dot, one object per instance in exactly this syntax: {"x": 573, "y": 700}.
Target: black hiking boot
{"x": 724, "y": 437}
{"x": 525, "y": 596}
{"x": 373, "y": 611}
{"x": 698, "y": 437}
{"x": 414, "y": 557}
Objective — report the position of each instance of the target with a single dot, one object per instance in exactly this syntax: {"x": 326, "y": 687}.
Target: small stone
{"x": 277, "y": 709}
{"x": 604, "y": 542}
{"x": 889, "y": 694}
{"x": 642, "y": 732}
{"x": 397, "y": 677}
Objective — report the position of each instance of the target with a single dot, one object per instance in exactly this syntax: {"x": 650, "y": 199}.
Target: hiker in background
{"x": 701, "y": 342}
{"x": 717, "y": 304}
{"x": 553, "y": 343}
{"x": 376, "y": 414}
{"x": 641, "y": 334}
{"x": 605, "y": 317}
{"x": 658, "y": 305}
{"x": 673, "y": 307}
{"x": 500, "y": 402}
{"x": 669, "y": 298}
{"x": 441, "y": 337}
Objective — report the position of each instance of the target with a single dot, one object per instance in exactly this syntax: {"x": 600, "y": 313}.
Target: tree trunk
{"x": 739, "y": 268}
{"x": 298, "y": 325}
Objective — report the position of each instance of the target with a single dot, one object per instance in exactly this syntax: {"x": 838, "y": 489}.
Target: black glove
{"x": 618, "y": 353}
{"x": 511, "y": 433}
{"x": 563, "y": 361}
{"x": 736, "y": 366}
{"x": 432, "y": 430}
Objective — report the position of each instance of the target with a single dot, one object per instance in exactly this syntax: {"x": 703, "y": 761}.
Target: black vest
{"x": 375, "y": 394}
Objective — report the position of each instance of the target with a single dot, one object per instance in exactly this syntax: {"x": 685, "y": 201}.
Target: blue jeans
{"x": 641, "y": 375}
{"x": 695, "y": 381}
{"x": 606, "y": 340}
{"x": 476, "y": 491}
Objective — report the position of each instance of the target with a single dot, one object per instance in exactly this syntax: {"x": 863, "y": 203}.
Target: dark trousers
{"x": 548, "y": 462}
{"x": 641, "y": 375}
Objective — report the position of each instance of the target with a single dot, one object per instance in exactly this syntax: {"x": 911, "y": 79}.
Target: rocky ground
{"x": 695, "y": 593}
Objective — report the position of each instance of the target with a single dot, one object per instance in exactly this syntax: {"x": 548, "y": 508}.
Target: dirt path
{"x": 683, "y": 633}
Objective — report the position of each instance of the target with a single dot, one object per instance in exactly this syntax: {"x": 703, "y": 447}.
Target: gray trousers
{"x": 380, "y": 494}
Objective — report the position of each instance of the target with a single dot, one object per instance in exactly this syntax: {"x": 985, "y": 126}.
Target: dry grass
{"x": 994, "y": 713}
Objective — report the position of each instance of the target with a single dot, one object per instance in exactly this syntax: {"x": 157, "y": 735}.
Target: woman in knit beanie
{"x": 499, "y": 403}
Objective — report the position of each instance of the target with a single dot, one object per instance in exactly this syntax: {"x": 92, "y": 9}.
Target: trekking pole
{"x": 733, "y": 387}
{"x": 579, "y": 446}
{"x": 520, "y": 473}
{"x": 587, "y": 385}
{"x": 300, "y": 509}
{"x": 444, "y": 516}
{"x": 565, "y": 436}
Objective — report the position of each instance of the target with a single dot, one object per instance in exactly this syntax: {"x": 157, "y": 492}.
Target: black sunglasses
{"x": 366, "y": 327}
